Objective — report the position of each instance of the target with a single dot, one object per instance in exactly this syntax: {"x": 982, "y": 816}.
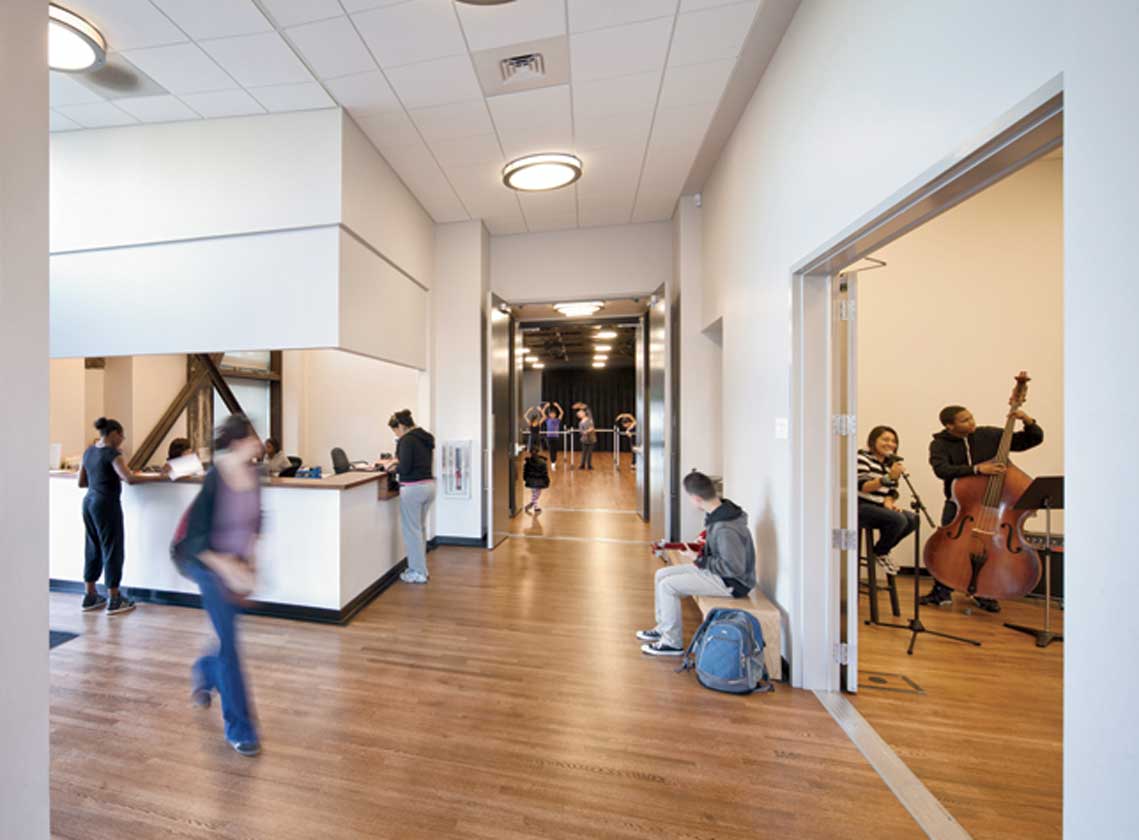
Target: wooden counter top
{"x": 344, "y": 481}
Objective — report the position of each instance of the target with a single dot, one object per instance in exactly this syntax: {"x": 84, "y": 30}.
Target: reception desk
{"x": 328, "y": 546}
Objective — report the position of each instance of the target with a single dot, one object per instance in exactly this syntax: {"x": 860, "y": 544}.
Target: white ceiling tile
{"x": 181, "y": 68}
{"x": 215, "y": 18}
{"x": 467, "y": 151}
{"x": 615, "y": 96}
{"x": 418, "y": 170}
{"x": 223, "y": 103}
{"x": 682, "y": 126}
{"x": 533, "y": 121}
{"x": 293, "y": 12}
{"x": 599, "y": 214}
{"x": 390, "y": 129}
{"x": 306, "y": 96}
{"x": 552, "y": 210}
{"x": 365, "y": 5}
{"x": 462, "y": 119}
{"x": 506, "y": 224}
{"x": 128, "y": 24}
{"x": 443, "y": 207}
{"x": 154, "y": 109}
{"x": 711, "y": 34}
{"x": 483, "y": 193}
{"x": 440, "y": 82}
{"x": 58, "y": 122}
{"x": 364, "y": 94}
{"x": 65, "y": 90}
{"x": 695, "y": 83}
{"x": 97, "y": 115}
{"x": 696, "y": 5}
{"x": 418, "y": 30}
{"x": 332, "y": 48}
{"x": 654, "y": 208}
{"x": 513, "y": 23}
{"x": 626, "y": 129}
{"x": 620, "y": 50}
{"x": 585, "y": 15}
{"x": 258, "y": 60}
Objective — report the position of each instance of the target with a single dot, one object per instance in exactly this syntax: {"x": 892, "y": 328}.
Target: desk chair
{"x": 340, "y": 462}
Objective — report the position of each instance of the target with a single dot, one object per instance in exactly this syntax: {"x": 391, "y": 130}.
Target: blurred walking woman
{"x": 217, "y": 550}
{"x": 103, "y": 472}
{"x": 415, "y": 450}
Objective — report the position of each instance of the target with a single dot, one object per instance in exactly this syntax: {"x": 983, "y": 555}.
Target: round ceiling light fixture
{"x": 537, "y": 173}
{"x": 580, "y": 309}
{"x": 73, "y": 44}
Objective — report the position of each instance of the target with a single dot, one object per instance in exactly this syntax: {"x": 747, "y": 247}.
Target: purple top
{"x": 553, "y": 426}
{"x": 237, "y": 519}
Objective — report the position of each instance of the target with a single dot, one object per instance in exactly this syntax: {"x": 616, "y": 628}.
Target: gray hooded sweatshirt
{"x": 729, "y": 551}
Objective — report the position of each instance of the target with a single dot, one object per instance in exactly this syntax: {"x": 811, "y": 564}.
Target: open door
{"x": 845, "y": 470}
{"x": 502, "y": 423}
{"x": 656, "y": 351}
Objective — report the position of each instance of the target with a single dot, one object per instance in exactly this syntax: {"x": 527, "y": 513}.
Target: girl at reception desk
{"x": 415, "y": 448}
{"x": 103, "y": 472}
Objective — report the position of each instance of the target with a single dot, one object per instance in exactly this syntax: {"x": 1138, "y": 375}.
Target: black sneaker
{"x": 648, "y": 635}
{"x": 937, "y": 597}
{"x": 661, "y": 649}
{"x": 987, "y": 604}
{"x": 93, "y": 602}
{"x": 200, "y": 698}
{"x": 119, "y": 605}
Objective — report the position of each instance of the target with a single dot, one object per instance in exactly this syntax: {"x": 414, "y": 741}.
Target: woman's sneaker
{"x": 93, "y": 602}
{"x": 408, "y": 576}
{"x": 661, "y": 649}
{"x": 119, "y": 605}
{"x": 887, "y": 564}
{"x": 648, "y": 635}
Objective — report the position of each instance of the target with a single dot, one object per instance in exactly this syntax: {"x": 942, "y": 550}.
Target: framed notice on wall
{"x": 457, "y": 469}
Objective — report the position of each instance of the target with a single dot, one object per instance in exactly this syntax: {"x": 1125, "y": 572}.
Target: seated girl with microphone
{"x": 879, "y": 469}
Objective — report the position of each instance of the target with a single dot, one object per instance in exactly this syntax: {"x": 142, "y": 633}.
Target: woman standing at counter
{"x": 103, "y": 472}
{"x": 415, "y": 449}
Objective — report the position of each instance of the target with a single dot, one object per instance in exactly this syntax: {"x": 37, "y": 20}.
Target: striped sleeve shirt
{"x": 870, "y": 468}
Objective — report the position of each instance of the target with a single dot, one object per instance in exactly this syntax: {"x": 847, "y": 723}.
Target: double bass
{"x": 983, "y": 550}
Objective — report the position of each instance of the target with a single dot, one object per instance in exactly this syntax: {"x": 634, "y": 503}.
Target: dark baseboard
{"x": 465, "y": 542}
{"x": 271, "y": 609}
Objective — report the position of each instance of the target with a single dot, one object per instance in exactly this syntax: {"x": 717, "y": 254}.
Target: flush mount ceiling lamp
{"x": 580, "y": 309}
{"x": 536, "y": 173}
{"x": 73, "y": 44}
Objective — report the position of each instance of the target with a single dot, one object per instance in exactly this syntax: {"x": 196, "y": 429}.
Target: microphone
{"x": 892, "y": 459}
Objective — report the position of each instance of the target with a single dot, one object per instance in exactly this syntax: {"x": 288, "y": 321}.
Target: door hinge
{"x": 842, "y": 653}
{"x": 844, "y": 425}
{"x": 846, "y": 310}
{"x": 844, "y": 539}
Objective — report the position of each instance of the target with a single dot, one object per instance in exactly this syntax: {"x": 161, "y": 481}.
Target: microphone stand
{"x": 915, "y": 626}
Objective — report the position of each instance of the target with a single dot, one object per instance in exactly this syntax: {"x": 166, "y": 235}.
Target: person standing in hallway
{"x": 535, "y": 476}
{"x": 217, "y": 551}
{"x": 588, "y": 438}
{"x": 724, "y": 567}
{"x": 103, "y": 471}
{"x": 553, "y": 432}
{"x": 415, "y": 448}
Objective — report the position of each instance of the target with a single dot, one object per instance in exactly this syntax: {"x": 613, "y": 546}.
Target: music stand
{"x": 1045, "y": 492}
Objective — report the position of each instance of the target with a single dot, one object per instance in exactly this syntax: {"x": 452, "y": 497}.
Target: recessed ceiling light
{"x": 73, "y": 44}
{"x": 538, "y": 365}
{"x": 599, "y": 364}
{"x": 580, "y": 309}
{"x": 607, "y": 334}
{"x": 602, "y": 348}
{"x": 535, "y": 173}
{"x": 601, "y": 358}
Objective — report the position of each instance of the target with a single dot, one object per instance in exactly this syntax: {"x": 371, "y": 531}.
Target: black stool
{"x": 870, "y": 560}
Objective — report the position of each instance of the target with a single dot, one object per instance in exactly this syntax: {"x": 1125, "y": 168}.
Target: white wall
{"x": 991, "y": 270}
{"x": 616, "y": 261}
{"x": 24, "y": 791}
{"x": 156, "y": 183}
{"x": 458, "y": 299}
{"x": 834, "y": 128}
{"x": 1101, "y": 624}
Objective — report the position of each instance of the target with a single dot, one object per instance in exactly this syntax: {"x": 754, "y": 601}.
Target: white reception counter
{"x": 328, "y": 546}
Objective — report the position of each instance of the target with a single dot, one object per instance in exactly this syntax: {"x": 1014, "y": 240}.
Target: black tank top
{"x": 102, "y": 480}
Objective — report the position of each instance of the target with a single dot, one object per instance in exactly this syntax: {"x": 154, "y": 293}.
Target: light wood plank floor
{"x": 507, "y": 699}
{"x": 986, "y": 737}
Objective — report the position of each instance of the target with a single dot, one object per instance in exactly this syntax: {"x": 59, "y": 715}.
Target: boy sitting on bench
{"x": 725, "y": 567}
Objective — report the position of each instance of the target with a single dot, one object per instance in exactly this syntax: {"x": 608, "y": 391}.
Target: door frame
{"x": 1022, "y": 135}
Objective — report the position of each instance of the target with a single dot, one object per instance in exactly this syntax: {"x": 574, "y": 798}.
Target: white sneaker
{"x": 887, "y": 564}
{"x": 408, "y": 576}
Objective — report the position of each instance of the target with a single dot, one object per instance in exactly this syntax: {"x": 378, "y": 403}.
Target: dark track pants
{"x": 103, "y": 520}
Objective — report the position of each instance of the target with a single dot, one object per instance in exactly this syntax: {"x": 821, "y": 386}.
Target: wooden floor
{"x": 507, "y": 699}
{"x": 986, "y": 735}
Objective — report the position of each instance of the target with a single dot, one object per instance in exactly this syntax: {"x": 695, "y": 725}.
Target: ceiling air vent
{"x": 519, "y": 69}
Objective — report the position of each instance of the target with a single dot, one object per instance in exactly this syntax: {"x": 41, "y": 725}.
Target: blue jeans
{"x": 222, "y": 670}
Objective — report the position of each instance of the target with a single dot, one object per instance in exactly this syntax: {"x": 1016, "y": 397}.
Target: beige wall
{"x": 69, "y": 406}
{"x": 964, "y": 303}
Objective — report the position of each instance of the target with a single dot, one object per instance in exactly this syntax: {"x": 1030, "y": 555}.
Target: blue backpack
{"x": 727, "y": 653}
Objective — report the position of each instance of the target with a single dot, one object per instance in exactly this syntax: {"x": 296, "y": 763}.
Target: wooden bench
{"x": 756, "y": 603}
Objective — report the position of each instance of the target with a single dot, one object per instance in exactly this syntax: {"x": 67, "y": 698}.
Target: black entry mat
{"x": 58, "y": 637}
